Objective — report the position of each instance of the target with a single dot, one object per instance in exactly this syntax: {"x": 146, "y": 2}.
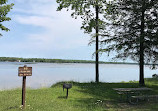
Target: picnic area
{"x": 82, "y": 97}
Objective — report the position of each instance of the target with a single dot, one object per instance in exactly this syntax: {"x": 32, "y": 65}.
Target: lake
{"x": 46, "y": 74}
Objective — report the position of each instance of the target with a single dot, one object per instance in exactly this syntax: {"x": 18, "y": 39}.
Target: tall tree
{"x": 134, "y": 24}
{"x": 4, "y": 9}
{"x": 89, "y": 11}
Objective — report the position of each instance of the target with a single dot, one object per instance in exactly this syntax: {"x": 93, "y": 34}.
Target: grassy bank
{"x": 82, "y": 97}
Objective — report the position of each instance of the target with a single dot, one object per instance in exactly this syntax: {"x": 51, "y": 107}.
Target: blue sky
{"x": 37, "y": 30}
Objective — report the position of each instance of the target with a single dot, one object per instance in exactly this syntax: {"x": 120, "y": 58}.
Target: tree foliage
{"x": 4, "y": 9}
{"x": 134, "y": 24}
{"x": 86, "y": 10}
{"x": 125, "y": 18}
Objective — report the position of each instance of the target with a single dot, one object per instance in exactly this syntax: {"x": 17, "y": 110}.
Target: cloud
{"x": 38, "y": 30}
{"x": 62, "y": 33}
{"x": 38, "y": 7}
{"x": 35, "y": 20}
{"x": 59, "y": 29}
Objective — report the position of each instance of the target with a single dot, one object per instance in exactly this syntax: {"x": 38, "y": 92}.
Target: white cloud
{"x": 60, "y": 30}
{"x": 38, "y": 7}
{"x": 35, "y": 20}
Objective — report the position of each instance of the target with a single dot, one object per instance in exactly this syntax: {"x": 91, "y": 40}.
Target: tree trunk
{"x": 141, "y": 62}
{"x": 97, "y": 44}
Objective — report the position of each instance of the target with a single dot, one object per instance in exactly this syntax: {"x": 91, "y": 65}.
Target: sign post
{"x": 23, "y": 91}
{"x": 24, "y": 71}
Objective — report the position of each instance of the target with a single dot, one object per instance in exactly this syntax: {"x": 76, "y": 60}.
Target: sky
{"x": 37, "y": 30}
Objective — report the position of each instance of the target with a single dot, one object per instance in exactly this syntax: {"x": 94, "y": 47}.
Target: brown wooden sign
{"x": 25, "y": 71}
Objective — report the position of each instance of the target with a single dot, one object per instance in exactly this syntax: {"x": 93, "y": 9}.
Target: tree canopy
{"x": 133, "y": 27}
{"x": 4, "y": 9}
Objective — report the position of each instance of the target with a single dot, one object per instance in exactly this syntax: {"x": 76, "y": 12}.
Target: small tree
{"x": 89, "y": 11}
{"x": 134, "y": 24}
{"x": 4, "y": 9}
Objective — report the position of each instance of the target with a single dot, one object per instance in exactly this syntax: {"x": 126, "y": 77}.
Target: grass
{"x": 82, "y": 97}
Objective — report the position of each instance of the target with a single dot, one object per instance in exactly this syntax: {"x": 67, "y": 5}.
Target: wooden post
{"x": 23, "y": 91}
{"x": 67, "y": 93}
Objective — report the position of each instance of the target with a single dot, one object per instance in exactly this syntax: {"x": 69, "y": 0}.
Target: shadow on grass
{"x": 105, "y": 97}
{"x": 102, "y": 95}
{"x": 104, "y": 90}
{"x": 99, "y": 90}
{"x": 62, "y": 97}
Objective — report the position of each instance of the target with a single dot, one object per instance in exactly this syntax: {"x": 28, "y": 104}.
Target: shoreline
{"x": 46, "y": 60}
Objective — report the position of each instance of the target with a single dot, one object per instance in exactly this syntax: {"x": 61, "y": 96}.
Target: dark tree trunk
{"x": 141, "y": 64}
{"x": 97, "y": 44}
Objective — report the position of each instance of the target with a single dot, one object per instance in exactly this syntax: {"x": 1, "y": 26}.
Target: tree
{"x": 89, "y": 11}
{"x": 4, "y": 9}
{"x": 134, "y": 24}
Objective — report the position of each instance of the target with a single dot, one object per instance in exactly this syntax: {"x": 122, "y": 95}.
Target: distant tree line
{"x": 14, "y": 59}
{"x": 45, "y": 60}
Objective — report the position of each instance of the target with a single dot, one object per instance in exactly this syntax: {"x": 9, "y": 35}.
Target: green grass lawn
{"x": 82, "y": 97}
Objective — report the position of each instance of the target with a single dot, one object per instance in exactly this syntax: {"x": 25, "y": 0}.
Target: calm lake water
{"x": 46, "y": 74}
